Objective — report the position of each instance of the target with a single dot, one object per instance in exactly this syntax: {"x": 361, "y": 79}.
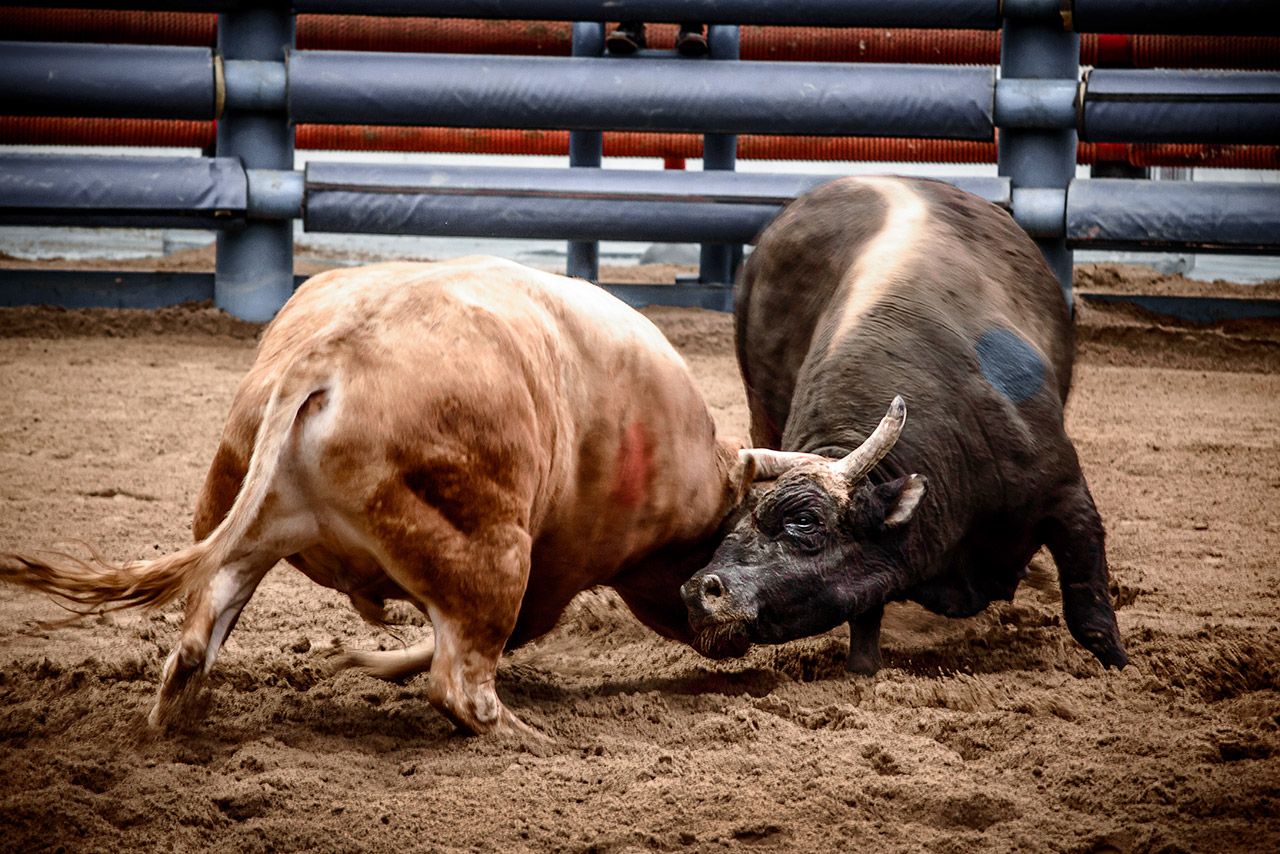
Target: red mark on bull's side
{"x": 634, "y": 466}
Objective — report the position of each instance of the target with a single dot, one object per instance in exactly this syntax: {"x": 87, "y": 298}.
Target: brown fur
{"x": 480, "y": 438}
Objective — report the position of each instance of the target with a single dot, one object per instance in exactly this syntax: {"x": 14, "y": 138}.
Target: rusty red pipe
{"x": 16, "y": 130}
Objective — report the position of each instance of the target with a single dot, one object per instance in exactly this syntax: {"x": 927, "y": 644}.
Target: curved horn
{"x": 863, "y": 458}
{"x": 771, "y": 464}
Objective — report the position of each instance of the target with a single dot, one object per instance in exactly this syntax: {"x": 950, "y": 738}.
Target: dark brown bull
{"x": 868, "y": 288}
{"x": 479, "y": 438}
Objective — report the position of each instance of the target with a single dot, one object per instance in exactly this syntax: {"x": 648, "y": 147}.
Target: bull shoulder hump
{"x": 887, "y": 255}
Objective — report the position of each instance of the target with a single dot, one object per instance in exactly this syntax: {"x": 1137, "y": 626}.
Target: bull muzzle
{"x": 706, "y": 597}
{"x": 719, "y": 623}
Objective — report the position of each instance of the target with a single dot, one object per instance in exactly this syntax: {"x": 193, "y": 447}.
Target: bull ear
{"x": 745, "y": 471}
{"x": 903, "y": 496}
{"x": 739, "y": 469}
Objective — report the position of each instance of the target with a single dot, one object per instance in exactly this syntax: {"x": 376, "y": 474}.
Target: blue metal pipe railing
{"x": 1111, "y": 105}
{"x": 575, "y": 93}
{"x": 221, "y": 187}
{"x": 134, "y": 81}
{"x": 717, "y": 262}
{"x": 254, "y": 271}
{"x": 620, "y": 185}
{"x": 586, "y": 150}
{"x": 577, "y": 204}
{"x": 1125, "y": 105}
{"x": 195, "y": 192}
{"x": 1201, "y": 215}
{"x": 1196, "y": 17}
{"x": 256, "y": 85}
{"x": 530, "y": 202}
{"x": 1039, "y": 160}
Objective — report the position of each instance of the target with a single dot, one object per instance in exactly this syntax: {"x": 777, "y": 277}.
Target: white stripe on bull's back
{"x": 888, "y": 255}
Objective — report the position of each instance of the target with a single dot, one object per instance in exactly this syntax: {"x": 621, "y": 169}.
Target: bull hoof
{"x": 338, "y": 660}
{"x": 864, "y": 651}
{"x": 1105, "y": 645}
{"x": 511, "y": 726}
{"x": 393, "y": 665}
{"x": 1112, "y": 657}
{"x": 179, "y": 707}
{"x": 507, "y": 726}
{"x": 863, "y": 664}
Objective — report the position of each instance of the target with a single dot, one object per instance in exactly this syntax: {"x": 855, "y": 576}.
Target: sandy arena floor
{"x": 997, "y": 733}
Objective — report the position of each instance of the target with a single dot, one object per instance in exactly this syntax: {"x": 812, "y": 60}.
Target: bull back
{"x": 889, "y": 282}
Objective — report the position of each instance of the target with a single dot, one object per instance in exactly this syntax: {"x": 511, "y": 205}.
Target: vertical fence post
{"x": 254, "y": 272}
{"x": 720, "y": 151}
{"x": 586, "y": 148}
{"x": 1040, "y": 159}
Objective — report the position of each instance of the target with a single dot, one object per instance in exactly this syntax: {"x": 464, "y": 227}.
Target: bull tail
{"x": 94, "y": 585}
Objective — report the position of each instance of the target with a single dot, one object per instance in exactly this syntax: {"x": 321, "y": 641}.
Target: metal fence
{"x": 258, "y": 86}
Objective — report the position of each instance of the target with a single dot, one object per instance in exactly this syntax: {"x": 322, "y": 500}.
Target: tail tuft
{"x": 96, "y": 585}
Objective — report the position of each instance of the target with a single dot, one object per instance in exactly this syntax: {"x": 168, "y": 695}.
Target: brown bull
{"x": 479, "y": 438}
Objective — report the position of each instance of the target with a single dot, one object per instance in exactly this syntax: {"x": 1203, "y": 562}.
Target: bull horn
{"x": 862, "y": 459}
{"x": 772, "y": 464}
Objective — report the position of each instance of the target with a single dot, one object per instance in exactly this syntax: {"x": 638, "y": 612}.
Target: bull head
{"x": 817, "y": 548}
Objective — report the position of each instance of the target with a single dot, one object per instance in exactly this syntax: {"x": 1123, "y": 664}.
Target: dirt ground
{"x": 996, "y": 733}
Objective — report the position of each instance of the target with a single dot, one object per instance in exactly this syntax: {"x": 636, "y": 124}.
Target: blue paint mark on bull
{"x": 1010, "y": 364}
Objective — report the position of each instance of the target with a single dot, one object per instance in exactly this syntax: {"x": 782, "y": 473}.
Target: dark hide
{"x": 862, "y": 290}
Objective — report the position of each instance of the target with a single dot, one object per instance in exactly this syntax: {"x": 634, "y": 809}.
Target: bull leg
{"x": 211, "y": 613}
{"x": 471, "y": 584}
{"x": 864, "y": 642}
{"x": 463, "y": 673}
{"x": 1076, "y": 540}
{"x": 395, "y": 665}
{"x": 470, "y": 633}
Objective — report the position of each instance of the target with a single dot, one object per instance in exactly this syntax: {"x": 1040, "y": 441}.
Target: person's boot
{"x": 626, "y": 39}
{"x": 691, "y": 42}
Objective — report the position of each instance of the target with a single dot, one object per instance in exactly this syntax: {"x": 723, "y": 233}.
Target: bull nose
{"x": 710, "y": 589}
{"x": 704, "y": 594}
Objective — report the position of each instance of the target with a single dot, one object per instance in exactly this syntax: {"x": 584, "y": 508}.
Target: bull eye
{"x": 803, "y": 524}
